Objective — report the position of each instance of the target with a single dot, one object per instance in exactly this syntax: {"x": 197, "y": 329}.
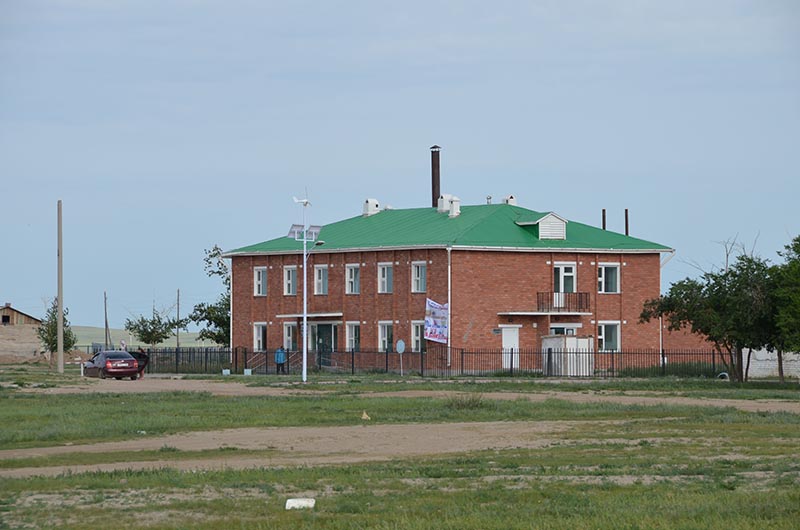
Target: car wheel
{"x": 133, "y": 378}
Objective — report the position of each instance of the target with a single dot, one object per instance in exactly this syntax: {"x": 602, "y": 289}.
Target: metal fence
{"x": 453, "y": 362}
{"x": 440, "y": 361}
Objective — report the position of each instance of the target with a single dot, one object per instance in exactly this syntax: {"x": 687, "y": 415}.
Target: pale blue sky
{"x": 166, "y": 127}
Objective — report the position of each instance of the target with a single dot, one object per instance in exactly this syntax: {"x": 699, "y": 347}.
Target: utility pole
{"x": 60, "y": 324}
{"x": 105, "y": 312}
{"x": 178, "y": 325}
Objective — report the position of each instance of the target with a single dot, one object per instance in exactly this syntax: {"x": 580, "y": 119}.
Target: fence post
{"x": 177, "y": 354}
{"x": 714, "y": 362}
{"x": 387, "y": 360}
{"x": 462, "y": 361}
{"x": 353, "y": 361}
{"x": 663, "y": 364}
{"x": 421, "y": 363}
{"x": 511, "y": 364}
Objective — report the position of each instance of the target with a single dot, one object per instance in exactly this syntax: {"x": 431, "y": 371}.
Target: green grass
{"x": 559, "y": 487}
{"x": 43, "y": 420}
{"x": 86, "y": 335}
{"x": 650, "y": 467}
{"x": 38, "y": 376}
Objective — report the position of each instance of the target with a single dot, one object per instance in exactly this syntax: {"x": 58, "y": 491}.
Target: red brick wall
{"x": 484, "y": 283}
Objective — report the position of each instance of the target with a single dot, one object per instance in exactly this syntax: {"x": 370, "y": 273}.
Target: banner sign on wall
{"x": 436, "y": 321}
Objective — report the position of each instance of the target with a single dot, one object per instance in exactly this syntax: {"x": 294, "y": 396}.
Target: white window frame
{"x": 601, "y": 338}
{"x": 289, "y": 329}
{"x": 289, "y": 287}
{"x": 569, "y": 329}
{"x": 385, "y": 280}
{"x": 352, "y": 283}
{"x": 417, "y": 335}
{"x": 259, "y": 281}
{"x": 349, "y": 327}
{"x": 258, "y": 344}
{"x": 560, "y": 265}
{"x": 419, "y": 276}
{"x": 384, "y": 340}
{"x": 320, "y": 279}
{"x": 601, "y": 277}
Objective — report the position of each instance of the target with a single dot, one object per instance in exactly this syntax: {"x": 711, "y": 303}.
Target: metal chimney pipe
{"x": 604, "y": 218}
{"x": 435, "y": 192}
{"x": 626, "y": 222}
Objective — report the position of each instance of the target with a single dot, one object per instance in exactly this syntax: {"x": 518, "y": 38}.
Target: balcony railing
{"x": 563, "y": 302}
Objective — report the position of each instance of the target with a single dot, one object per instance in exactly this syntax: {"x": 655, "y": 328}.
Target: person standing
{"x": 280, "y": 360}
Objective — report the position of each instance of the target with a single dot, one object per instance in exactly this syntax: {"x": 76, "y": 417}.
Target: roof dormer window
{"x": 550, "y": 225}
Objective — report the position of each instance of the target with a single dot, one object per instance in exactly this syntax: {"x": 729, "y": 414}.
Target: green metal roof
{"x": 483, "y": 226}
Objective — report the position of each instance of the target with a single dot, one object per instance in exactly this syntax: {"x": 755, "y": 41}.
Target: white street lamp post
{"x": 305, "y": 234}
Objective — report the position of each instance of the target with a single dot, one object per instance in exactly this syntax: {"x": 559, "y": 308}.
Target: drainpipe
{"x": 449, "y": 301}
{"x": 660, "y": 319}
{"x": 230, "y": 331}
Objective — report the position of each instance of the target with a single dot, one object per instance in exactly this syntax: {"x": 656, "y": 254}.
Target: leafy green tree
{"x": 787, "y": 294}
{"x": 48, "y": 330}
{"x": 155, "y": 329}
{"x": 785, "y": 290}
{"x": 215, "y": 318}
{"x": 731, "y": 308}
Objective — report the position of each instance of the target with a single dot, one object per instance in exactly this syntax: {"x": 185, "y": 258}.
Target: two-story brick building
{"x": 509, "y": 275}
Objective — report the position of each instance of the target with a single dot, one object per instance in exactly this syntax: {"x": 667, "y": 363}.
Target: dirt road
{"x": 224, "y": 388}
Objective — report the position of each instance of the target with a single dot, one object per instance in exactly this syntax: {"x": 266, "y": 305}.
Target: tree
{"x": 216, "y": 317}
{"x": 785, "y": 283}
{"x": 48, "y": 330}
{"x": 731, "y": 308}
{"x": 155, "y": 329}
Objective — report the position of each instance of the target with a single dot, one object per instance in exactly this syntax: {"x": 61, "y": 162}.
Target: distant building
{"x": 18, "y": 338}
{"x": 14, "y": 317}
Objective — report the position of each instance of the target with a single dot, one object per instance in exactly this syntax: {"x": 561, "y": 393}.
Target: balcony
{"x": 550, "y": 302}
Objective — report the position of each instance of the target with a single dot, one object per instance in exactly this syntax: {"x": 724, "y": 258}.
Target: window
{"x": 290, "y": 280}
{"x": 418, "y": 277}
{"x": 608, "y": 336}
{"x": 290, "y": 337}
{"x": 563, "y": 282}
{"x": 384, "y": 277}
{"x": 353, "y": 336}
{"x": 417, "y": 335}
{"x": 353, "y": 279}
{"x": 320, "y": 279}
{"x": 385, "y": 338}
{"x": 260, "y": 281}
{"x": 564, "y": 278}
{"x": 259, "y": 336}
{"x": 608, "y": 278}
{"x": 565, "y": 328}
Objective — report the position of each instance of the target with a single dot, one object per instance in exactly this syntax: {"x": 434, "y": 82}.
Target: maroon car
{"x": 116, "y": 364}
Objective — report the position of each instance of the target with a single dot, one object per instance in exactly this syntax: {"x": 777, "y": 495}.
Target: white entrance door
{"x": 510, "y": 347}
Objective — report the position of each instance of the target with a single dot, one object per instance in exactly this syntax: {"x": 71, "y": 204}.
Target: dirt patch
{"x": 290, "y": 446}
{"x": 308, "y": 445}
{"x": 225, "y": 388}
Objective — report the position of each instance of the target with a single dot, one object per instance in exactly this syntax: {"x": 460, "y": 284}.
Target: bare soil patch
{"x": 291, "y": 446}
{"x": 308, "y": 445}
{"x": 226, "y": 388}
